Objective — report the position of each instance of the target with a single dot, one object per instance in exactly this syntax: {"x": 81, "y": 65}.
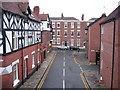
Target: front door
{"x": 65, "y": 43}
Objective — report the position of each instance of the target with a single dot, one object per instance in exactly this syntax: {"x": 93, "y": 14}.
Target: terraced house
{"x": 66, "y": 31}
{"x": 21, "y": 46}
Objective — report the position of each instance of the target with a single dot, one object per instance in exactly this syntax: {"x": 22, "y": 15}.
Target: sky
{"x": 75, "y": 8}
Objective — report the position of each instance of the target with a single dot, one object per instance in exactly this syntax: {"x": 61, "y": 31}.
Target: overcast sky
{"x": 75, "y": 8}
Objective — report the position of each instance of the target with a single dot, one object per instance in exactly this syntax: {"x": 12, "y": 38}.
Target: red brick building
{"x": 94, "y": 38}
{"x": 109, "y": 50}
{"x": 21, "y": 48}
{"x": 66, "y": 31}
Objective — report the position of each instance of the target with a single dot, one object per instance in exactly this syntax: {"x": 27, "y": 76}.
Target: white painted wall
{"x": 45, "y": 25}
{"x": 9, "y": 35}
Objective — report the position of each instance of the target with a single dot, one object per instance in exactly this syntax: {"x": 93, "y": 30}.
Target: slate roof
{"x": 15, "y": 7}
{"x": 114, "y": 15}
{"x": 103, "y": 15}
{"x": 65, "y": 18}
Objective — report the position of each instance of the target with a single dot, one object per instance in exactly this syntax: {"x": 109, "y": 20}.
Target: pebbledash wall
{"x": 67, "y": 31}
{"x": 21, "y": 51}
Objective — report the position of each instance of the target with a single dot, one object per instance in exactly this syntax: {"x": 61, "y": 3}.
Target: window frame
{"x": 33, "y": 59}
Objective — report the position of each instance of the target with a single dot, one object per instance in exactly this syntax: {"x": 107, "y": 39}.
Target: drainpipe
{"x": 112, "y": 75}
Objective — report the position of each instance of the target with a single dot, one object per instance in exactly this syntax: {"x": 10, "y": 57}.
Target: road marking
{"x": 84, "y": 81}
{"x": 63, "y": 72}
{"x": 63, "y": 84}
{"x": 64, "y": 57}
{"x": 64, "y": 64}
{"x": 46, "y": 73}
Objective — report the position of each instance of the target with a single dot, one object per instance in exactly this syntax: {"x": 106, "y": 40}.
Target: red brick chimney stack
{"x": 62, "y": 17}
{"x": 36, "y": 10}
{"x": 82, "y": 18}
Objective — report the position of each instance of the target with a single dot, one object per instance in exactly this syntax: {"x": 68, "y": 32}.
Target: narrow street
{"x": 64, "y": 72}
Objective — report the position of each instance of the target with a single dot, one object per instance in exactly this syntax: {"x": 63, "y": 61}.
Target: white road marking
{"x": 63, "y": 84}
{"x": 64, "y": 64}
{"x": 64, "y": 58}
{"x": 80, "y": 68}
{"x": 63, "y": 72}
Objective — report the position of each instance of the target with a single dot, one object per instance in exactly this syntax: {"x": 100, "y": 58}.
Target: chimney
{"x": 82, "y": 18}
{"x": 62, "y": 17}
{"x": 36, "y": 10}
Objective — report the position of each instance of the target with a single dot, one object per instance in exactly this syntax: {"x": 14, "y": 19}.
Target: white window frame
{"x": 53, "y": 42}
{"x": 65, "y": 24}
{"x": 66, "y": 32}
{"x": 57, "y": 24}
{"x": 71, "y": 33}
{"x": 15, "y": 63}
{"x": 54, "y": 33}
{"x": 78, "y": 24}
{"x": 59, "y": 32}
{"x": 78, "y": 42}
{"x": 53, "y": 24}
{"x": 77, "y": 33}
{"x": 72, "y": 25}
{"x": 15, "y": 42}
{"x": 58, "y": 40}
{"x": 33, "y": 59}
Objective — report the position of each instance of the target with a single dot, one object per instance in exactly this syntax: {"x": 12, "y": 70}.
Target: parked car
{"x": 73, "y": 48}
{"x": 63, "y": 47}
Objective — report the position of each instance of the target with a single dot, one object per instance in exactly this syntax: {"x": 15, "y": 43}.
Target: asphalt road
{"x": 64, "y": 72}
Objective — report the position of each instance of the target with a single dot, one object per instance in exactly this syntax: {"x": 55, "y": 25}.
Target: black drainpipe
{"x": 112, "y": 76}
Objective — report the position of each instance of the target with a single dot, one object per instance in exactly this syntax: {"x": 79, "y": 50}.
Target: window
{"x": 15, "y": 40}
{"x": 78, "y": 25}
{"x": 72, "y": 24}
{"x": 15, "y": 72}
{"x": 53, "y": 32}
{"x": 72, "y": 42}
{"x": 65, "y": 25}
{"x": 78, "y": 42}
{"x": 102, "y": 47}
{"x": 78, "y": 33}
{"x": 53, "y": 25}
{"x": 58, "y": 40}
{"x": 33, "y": 59}
{"x": 58, "y": 24}
{"x": 102, "y": 29}
{"x": 30, "y": 37}
{"x": 58, "y": 32}
{"x": 72, "y": 33}
{"x": 65, "y": 33}
{"x": 53, "y": 42}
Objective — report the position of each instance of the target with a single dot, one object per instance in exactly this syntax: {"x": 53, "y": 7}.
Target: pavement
{"x": 90, "y": 71}
{"x": 34, "y": 81}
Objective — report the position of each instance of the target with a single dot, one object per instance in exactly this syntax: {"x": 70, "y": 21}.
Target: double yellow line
{"x": 84, "y": 81}
{"x": 46, "y": 73}
{"x": 83, "y": 78}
